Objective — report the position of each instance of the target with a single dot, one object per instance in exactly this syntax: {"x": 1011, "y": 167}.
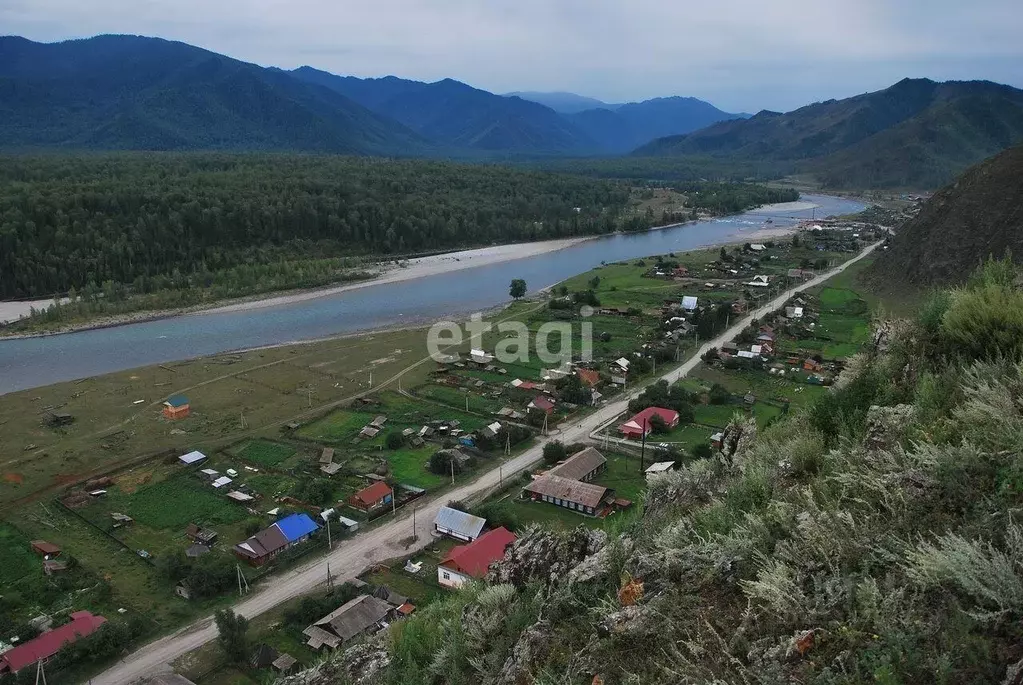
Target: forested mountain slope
{"x": 915, "y": 133}
{"x": 978, "y": 217}
{"x": 872, "y": 537}
{"x": 130, "y": 92}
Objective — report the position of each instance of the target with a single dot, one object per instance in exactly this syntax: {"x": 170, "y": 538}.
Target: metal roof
{"x": 579, "y": 465}
{"x": 587, "y": 494}
{"x": 459, "y": 522}
{"x": 296, "y": 526}
{"x": 192, "y": 457}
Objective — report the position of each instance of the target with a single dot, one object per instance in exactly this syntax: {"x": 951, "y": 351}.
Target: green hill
{"x": 961, "y": 226}
{"x": 917, "y": 133}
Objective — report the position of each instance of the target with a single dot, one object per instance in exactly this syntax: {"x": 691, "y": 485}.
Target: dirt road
{"x": 352, "y": 556}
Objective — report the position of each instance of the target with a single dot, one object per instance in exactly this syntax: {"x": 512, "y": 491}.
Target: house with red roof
{"x": 639, "y": 425}
{"x": 369, "y": 498}
{"x": 541, "y": 403}
{"x": 589, "y": 377}
{"x": 83, "y": 624}
{"x": 468, "y": 562}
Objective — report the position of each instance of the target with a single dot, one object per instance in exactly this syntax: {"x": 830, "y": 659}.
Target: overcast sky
{"x": 738, "y": 54}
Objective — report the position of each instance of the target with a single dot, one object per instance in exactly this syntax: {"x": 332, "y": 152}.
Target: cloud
{"x": 740, "y": 54}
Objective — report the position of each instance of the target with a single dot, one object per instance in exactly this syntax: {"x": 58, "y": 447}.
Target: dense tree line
{"x": 151, "y": 220}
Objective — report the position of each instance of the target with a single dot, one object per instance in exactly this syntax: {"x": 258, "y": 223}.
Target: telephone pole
{"x": 642, "y": 449}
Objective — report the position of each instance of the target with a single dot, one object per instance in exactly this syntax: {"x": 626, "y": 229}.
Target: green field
{"x": 169, "y": 504}
{"x": 266, "y": 453}
{"x": 19, "y": 559}
{"x": 407, "y": 466}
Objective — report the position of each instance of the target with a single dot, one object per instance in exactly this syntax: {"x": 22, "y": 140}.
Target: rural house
{"x": 585, "y": 498}
{"x": 640, "y": 425}
{"x": 583, "y": 466}
{"x": 467, "y": 562}
{"x": 83, "y": 624}
{"x": 176, "y": 407}
{"x": 541, "y": 403}
{"x": 45, "y": 549}
{"x": 204, "y": 536}
{"x": 376, "y": 495}
{"x": 360, "y": 615}
{"x": 271, "y": 541}
{"x": 458, "y": 524}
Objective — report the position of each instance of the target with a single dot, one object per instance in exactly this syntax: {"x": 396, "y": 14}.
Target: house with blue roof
{"x": 284, "y": 534}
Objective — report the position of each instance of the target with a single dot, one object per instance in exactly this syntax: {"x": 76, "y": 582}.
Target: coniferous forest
{"x": 139, "y": 219}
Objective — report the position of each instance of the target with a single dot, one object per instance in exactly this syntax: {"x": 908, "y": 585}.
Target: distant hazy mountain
{"x": 130, "y": 92}
{"x": 565, "y": 103}
{"x": 915, "y": 133}
{"x": 457, "y": 115}
{"x": 633, "y": 124}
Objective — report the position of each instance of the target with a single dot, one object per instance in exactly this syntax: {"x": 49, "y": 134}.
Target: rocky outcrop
{"x": 546, "y": 555}
{"x": 361, "y": 664}
{"x": 736, "y": 441}
{"x": 886, "y": 426}
{"x": 532, "y": 648}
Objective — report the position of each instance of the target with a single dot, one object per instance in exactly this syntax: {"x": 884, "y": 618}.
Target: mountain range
{"x": 916, "y": 133}
{"x": 131, "y": 92}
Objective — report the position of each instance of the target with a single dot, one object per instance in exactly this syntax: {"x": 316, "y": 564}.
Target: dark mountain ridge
{"x": 917, "y": 132}
{"x": 976, "y": 217}
{"x": 131, "y": 92}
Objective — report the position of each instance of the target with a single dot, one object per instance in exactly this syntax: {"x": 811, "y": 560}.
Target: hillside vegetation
{"x": 977, "y": 217}
{"x": 917, "y": 133}
{"x": 872, "y": 537}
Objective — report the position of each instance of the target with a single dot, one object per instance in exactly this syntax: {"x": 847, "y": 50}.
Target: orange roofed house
{"x": 176, "y": 407}
{"x": 369, "y": 498}
{"x": 467, "y": 562}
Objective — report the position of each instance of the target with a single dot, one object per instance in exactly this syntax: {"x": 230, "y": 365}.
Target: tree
{"x": 703, "y": 450}
{"x": 719, "y": 394}
{"x": 659, "y": 425}
{"x": 232, "y": 629}
{"x": 594, "y": 282}
{"x": 554, "y": 451}
{"x": 395, "y": 441}
{"x": 517, "y": 288}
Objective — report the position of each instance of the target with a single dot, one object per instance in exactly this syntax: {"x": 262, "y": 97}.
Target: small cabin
{"x": 176, "y": 407}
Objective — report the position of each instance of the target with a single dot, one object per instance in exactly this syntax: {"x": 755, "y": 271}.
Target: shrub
{"x": 394, "y": 441}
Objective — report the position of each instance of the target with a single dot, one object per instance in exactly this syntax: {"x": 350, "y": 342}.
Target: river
{"x": 34, "y": 362}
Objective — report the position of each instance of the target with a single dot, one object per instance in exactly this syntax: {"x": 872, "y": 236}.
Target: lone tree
{"x": 233, "y": 639}
{"x": 553, "y": 452}
{"x": 395, "y": 440}
{"x": 518, "y": 288}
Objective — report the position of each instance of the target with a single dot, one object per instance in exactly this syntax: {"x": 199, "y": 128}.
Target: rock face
{"x": 533, "y": 646}
{"x": 361, "y": 664}
{"x": 736, "y": 441}
{"x": 546, "y": 556}
{"x": 886, "y": 426}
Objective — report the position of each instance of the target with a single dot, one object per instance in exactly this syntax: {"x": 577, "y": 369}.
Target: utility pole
{"x": 330, "y": 582}
{"x": 467, "y": 403}
{"x": 371, "y": 379}
{"x": 242, "y": 582}
{"x": 507, "y": 444}
{"x": 500, "y": 474}
{"x": 40, "y": 672}
{"x": 452, "y": 475}
{"x": 330, "y": 544}
{"x": 414, "y": 536}
{"x": 642, "y": 449}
